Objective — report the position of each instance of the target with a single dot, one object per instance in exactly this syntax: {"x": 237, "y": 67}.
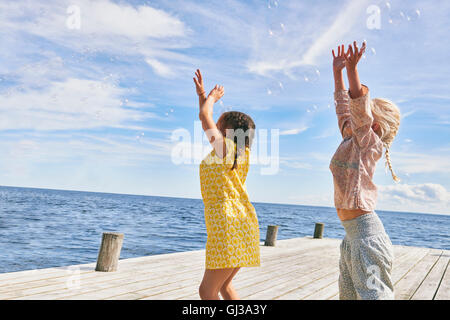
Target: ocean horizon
{"x": 51, "y": 228}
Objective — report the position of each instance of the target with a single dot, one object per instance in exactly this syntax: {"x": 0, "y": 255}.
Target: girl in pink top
{"x": 367, "y": 126}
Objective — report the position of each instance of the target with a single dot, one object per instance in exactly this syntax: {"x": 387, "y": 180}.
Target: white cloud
{"x": 412, "y": 163}
{"x": 160, "y": 68}
{"x": 290, "y": 53}
{"x": 293, "y": 131}
{"x": 426, "y": 197}
{"x": 99, "y": 17}
{"x": 106, "y": 28}
{"x": 70, "y": 104}
{"x": 343, "y": 23}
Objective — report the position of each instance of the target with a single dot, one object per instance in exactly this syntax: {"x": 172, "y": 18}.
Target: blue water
{"x": 42, "y": 228}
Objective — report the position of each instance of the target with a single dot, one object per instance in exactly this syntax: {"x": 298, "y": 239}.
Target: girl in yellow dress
{"x": 230, "y": 218}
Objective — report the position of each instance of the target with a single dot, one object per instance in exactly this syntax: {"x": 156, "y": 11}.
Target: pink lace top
{"x": 353, "y": 164}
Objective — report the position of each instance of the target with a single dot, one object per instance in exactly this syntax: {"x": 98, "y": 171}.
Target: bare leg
{"x": 227, "y": 290}
{"x": 213, "y": 280}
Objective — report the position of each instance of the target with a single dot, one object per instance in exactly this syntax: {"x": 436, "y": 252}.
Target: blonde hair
{"x": 387, "y": 115}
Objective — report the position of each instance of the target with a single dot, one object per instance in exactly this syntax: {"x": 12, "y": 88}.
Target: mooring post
{"x": 318, "y": 230}
{"x": 109, "y": 253}
{"x": 271, "y": 236}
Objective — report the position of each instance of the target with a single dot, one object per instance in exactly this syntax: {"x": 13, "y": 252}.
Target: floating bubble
{"x": 274, "y": 88}
{"x": 307, "y": 74}
{"x": 413, "y": 15}
{"x": 140, "y": 136}
{"x": 171, "y": 110}
{"x": 272, "y": 4}
{"x": 276, "y": 29}
{"x": 388, "y": 5}
{"x": 369, "y": 53}
{"x": 311, "y": 75}
{"x": 395, "y": 19}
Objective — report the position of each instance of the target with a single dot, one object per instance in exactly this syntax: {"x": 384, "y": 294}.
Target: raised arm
{"x": 206, "y": 105}
{"x": 341, "y": 97}
{"x": 360, "y": 109}
{"x": 352, "y": 58}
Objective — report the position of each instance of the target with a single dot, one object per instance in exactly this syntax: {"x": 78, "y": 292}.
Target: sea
{"x": 42, "y": 228}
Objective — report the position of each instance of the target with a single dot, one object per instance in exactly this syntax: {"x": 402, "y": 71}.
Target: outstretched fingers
{"x": 199, "y": 75}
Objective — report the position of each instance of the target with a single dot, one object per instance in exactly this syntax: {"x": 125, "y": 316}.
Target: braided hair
{"x": 240, "y": 124}
{"x": 387, "y": 114}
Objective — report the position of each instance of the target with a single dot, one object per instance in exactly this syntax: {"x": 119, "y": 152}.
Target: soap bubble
{"x": 388, "y": 5}
{"x": 276, "y": 29}
{"x": 395, "y": 19}
{"x": 274, "y": 88}
{"x": 307, "y": 74}
{"x": 406, "y": 16}
{"x": 370, "y": 52}
{"x": 139, "y": 136}
{"x": 413, "y": 15}
{"x": 272, "y": 4}
{"x": 98, "y": 114}
{"x": 311, "y": 75}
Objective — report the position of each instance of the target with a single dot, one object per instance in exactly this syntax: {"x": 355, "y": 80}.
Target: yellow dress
{"x": 230, "y": 218}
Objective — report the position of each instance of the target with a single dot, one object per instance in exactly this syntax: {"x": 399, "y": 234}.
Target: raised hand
{"x": 339, "y": 59}
{"x": 351, "y": 61}
{"x": 353, "y": 55}
{"x": 216, "y": 93}
{"x": 199, "y": 83}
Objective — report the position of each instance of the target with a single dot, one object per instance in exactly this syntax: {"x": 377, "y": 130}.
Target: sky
{"x": 93, "y": 93}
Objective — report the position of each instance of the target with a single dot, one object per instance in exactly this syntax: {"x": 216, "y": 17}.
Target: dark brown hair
{"x": 240, "y": 123}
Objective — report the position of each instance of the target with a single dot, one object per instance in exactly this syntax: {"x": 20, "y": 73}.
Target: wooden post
{"x": 108, "y": 256}
{"x": 271, "y": 236}
{"x": 318, "y": 230}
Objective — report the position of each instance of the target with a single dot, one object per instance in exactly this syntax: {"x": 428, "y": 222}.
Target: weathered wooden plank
{"x": 309, "y": 288}
{"x": 406, "y": 287}
{"x": 443, "y": 292}
{"x": 401, "y": 269}
{"x": 327, "y": 291}
{"x": 430, "y": 285}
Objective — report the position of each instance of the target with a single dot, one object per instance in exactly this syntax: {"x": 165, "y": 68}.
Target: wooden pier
{"x": 300, "y": 268}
